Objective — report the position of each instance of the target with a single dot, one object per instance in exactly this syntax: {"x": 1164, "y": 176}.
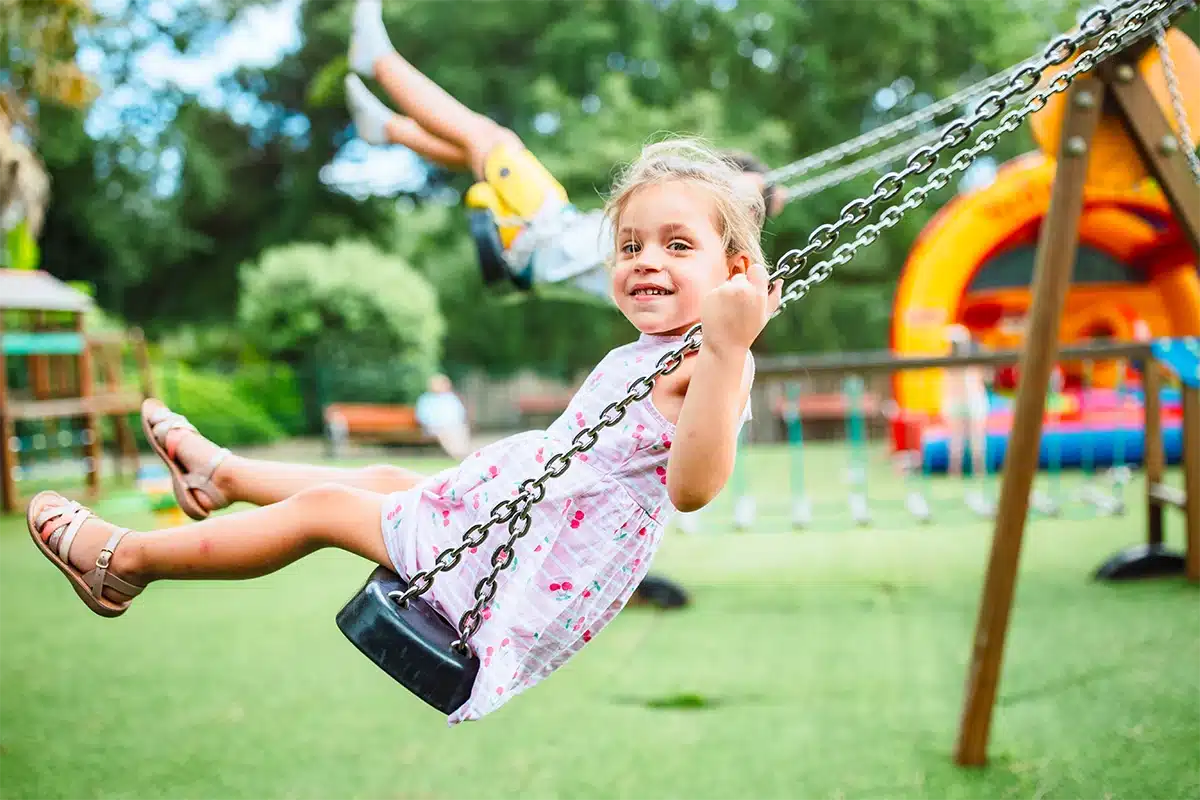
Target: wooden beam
{"x": 8, "y": 457}
{"x": 1158, "y": 145}
{"x": 886, "y": 361}
{"x": 120, "y": 403}
{"x": 93, "y": 444}
{"x": 1191, "y": 479}
{"x": 1154, "y": 461}
{"x": 143, "y": 361}
{"x": 1057, "y": 246}
{"x": 1166, "y": 494}
{"x": 1161, "y": 149}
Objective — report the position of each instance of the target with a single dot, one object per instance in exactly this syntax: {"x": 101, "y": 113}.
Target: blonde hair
{"x": 739, "y": 206}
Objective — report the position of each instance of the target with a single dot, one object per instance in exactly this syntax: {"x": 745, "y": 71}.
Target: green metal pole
{"x": 801, "y": 507}
{"x": 855, "y": 417}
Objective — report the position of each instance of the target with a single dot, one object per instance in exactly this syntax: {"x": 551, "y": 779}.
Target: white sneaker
{"x": 368, "y": 37}
{"x": 369, "y": 114}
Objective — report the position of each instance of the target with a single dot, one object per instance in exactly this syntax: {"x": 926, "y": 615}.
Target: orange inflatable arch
{"x": 973, "y": 264}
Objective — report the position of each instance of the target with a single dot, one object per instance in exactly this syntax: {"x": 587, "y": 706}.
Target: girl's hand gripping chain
{"x": 734, "y": 313}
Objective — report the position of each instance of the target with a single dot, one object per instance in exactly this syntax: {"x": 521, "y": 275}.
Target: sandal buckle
{"x": 104, "y": 558}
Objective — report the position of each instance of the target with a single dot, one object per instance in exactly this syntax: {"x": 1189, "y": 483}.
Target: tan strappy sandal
{"x": 68, "y": 517}
{"x": 156, "y": 424}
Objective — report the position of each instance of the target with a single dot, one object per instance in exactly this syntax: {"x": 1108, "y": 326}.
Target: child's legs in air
{"x": 237, "y": 478}
{"x": 440, "y": 114}
{"x": 431, "y": 106}
{"x": 241, "y": 545}
{"x": 378, "y": 124}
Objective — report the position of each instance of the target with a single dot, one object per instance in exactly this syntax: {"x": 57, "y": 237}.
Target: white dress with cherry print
{"x": 590, "y": 543}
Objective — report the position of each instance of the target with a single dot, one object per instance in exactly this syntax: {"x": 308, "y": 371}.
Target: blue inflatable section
{"x": 1077, "y": 444}
{"x": 1072, "y": 446}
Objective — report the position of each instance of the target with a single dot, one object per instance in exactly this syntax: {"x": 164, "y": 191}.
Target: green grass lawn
{"x": 819, "y": 664}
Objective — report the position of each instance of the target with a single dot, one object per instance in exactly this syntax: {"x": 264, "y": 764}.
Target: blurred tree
{"x": 354, "y": 312}
{"x": 38, "y": 46}
{"x": 781, "y": 79}
{"x": 38, "y": 43}
{"x": 171, "y": 188}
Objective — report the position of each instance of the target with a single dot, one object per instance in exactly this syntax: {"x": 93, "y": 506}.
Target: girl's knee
{"x": 486, "y": 137}
{"x": 325, "y": 495}
{"x": 338, "y": 515}
{"x": 386, "y": 478}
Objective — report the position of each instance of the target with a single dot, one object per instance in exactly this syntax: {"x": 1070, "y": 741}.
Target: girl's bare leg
{"x": 406, "y": 131}
{"x": 242, "y": 545}
{"x": 264, "y": 482}
{"x": 378, "y": 124}
{"x": 439, "y": 113}
{"x": 431, "y": 106}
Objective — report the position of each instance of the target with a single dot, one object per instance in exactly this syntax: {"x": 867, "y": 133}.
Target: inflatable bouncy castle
{"x": 1135, "y": 277}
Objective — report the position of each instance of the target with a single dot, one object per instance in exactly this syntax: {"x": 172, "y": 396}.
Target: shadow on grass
{"x": 690, "y": 701}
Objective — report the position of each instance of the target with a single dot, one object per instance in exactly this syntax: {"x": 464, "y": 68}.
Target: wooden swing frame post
{"x": 1134, "y": 105}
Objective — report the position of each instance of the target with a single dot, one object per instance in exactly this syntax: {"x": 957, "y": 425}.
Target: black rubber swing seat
{"x": 412, "y": 645}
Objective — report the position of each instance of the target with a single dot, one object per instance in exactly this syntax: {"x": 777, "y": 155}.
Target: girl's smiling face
{"x": 669, "y": 255}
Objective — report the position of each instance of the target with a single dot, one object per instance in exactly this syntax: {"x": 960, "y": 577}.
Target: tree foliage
{"x": 160, "y": 207}
{"x": 349, "y": 303}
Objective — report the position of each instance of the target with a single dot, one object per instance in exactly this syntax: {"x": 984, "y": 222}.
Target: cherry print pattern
{"x": 589, "y": 546}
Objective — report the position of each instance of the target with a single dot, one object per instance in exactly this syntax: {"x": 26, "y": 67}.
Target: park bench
{"x": 376, "y": 424}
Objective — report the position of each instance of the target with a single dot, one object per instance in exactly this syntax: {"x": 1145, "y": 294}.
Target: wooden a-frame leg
{"x": 1057, "y": 246}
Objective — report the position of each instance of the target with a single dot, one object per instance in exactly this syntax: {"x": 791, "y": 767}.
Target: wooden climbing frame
{"x": 71, "y": 374}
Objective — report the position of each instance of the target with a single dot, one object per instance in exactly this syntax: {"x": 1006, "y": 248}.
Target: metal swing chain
{"x": 889, "y": 131}
{"x": 852, "y": 170}
{"x": 515, "y": 512}
{"x": 812, "y": 186}
{"x": 956, "y": 133}
{"x": 1184, "y": 134}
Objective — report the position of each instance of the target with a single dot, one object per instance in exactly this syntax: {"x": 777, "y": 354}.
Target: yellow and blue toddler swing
{"x": 514, "y": 189}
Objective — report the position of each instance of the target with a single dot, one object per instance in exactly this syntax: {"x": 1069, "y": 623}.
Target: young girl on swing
{"x": 545, "y": 238}
{"x": 686, "y": 250}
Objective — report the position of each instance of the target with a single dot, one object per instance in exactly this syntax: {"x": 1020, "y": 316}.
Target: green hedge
{"x": 215, "y": 405}
{"x": 275, "y": 389}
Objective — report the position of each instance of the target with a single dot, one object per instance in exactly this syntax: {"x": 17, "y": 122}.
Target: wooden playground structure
{"x": 1116, "y": 101}
{"x": 55, "y": 374}
{"x": 1110, "y": 127}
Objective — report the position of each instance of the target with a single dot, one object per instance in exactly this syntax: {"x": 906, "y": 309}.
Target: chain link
{"x": 516, "y": 512}
{"x": 1185, "y": 132}
{"x": 1025, "y": 75}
